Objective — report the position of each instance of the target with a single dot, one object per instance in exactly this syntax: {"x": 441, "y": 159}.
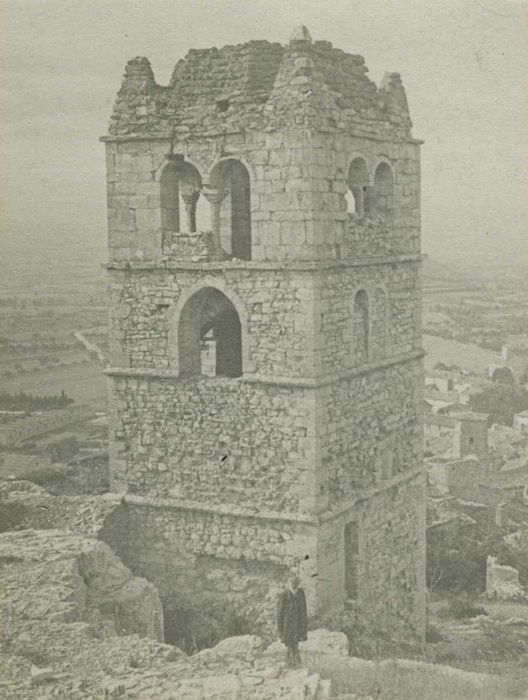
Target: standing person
{"x": 292, "y": 619}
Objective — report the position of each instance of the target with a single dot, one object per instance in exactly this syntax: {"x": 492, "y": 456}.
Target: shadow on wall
{"x": 204, "y": 598}
{"x": 199, "y": 621}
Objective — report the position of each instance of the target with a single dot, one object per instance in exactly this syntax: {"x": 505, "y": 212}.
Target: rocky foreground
{"x": 77, "y": 624}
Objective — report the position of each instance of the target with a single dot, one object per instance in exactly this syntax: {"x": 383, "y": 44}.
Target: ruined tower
{"x": 265, "y": 333}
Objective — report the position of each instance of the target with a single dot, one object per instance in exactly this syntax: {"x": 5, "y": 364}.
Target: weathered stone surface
{"x": 326, "y": 642}
{"x": 26, "y": 505}
{"x": 245, "y": 644}
{"x": 502, "y": 582}
{"x": 319, "y": 641}
{"x": 65, "y": 600}
{"x": 309, "y": 455}
{"x": 264, "y": 85}
{"x": 58, "y": 575}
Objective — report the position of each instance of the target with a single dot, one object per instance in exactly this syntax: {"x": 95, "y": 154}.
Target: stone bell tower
{"x": 266, "y": 364}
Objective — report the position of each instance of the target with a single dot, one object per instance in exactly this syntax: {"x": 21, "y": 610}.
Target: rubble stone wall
{"x": 189, "y": 552}
{"x": 359, "y": 418}
{"x": 390, "y": 558}
{"x": 295, "y": 323}
{"x": 218, "y": 440}
{"x": 325, "y": 421}
{"x": 277, "y": 324}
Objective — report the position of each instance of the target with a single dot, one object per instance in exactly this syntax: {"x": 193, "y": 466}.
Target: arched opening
{"x": 230, "y": 197}
{"x": 350, "y": 200}
{"x": 210, "y": 336}
{"x": 358, "y": 187}
{"x": 361, "y": 326}
{"x": 383, "y": 190}
{"x": 180, "y": 186}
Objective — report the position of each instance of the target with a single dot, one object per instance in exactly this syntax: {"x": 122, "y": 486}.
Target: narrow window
{"x": 230, "y": 195}
{"x": 383, "y": 190}
{"x": 351, "y": 561}
{"x": 361, "y": 327}
{"x": 379, "y": 323}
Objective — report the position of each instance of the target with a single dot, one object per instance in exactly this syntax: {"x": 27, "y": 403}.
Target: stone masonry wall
{"x": 214, "y": 440}
{"x": 276, "y": 336}
{"x": 298, "y": 185}
{"x": 189, "y": 552}
{"x": 357, "y": 415}
{"x": 318, "y": 427}
{"x": 257, "y": 85}
{"x": 297, "y": 322}
{"x": 390, "y": 559}
{"x": 394, "y": 303}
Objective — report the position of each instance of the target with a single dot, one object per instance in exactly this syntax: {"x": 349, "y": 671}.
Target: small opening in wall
{"x": 222, "y": 105}
{"x": 351, "y": 546}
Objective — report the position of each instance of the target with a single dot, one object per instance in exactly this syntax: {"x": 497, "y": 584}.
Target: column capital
{"x": 190, "y": 196}
{"x": 214, "y": 195}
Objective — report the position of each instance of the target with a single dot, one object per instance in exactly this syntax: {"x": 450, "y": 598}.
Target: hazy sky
{"x": 464, "y": 64}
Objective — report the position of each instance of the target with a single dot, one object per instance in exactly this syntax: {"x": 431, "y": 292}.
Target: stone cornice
{"x": 109, "y": 138}
{"x": 295, "y": 382}
{"x": 223, "y": 265}
{"x": 366, "y": 494}
{"x": 215, "y": 509}
{"x": 186, "y": 505}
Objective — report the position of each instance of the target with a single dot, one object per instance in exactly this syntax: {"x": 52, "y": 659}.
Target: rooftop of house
{"x": 261, "y": 85}
{"x": 511, "y": 478}
{"x": 443, "y": 511}
{"x": 470, "y": 416}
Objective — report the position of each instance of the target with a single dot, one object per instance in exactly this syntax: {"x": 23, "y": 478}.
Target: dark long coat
{"x": 292, "y": 617}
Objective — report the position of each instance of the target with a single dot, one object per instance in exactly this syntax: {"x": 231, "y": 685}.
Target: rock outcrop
{"x": 320, "y": 642}
{"x": 502, "y": 582}
{"x": 76, "y": 624}
{"x": 27, "y": 505}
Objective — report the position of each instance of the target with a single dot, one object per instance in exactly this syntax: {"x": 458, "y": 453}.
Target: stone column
{"x": 357, "y": 191}
{"x": 215, "y": 196}
{"x": 190, "y": 198}
{"x": 369, "y": 199}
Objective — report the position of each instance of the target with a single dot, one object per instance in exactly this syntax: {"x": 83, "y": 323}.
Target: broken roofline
{"x": 259, "y": 82}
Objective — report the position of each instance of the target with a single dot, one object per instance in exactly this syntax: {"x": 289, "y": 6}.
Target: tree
{"x": 501, "y": 402}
